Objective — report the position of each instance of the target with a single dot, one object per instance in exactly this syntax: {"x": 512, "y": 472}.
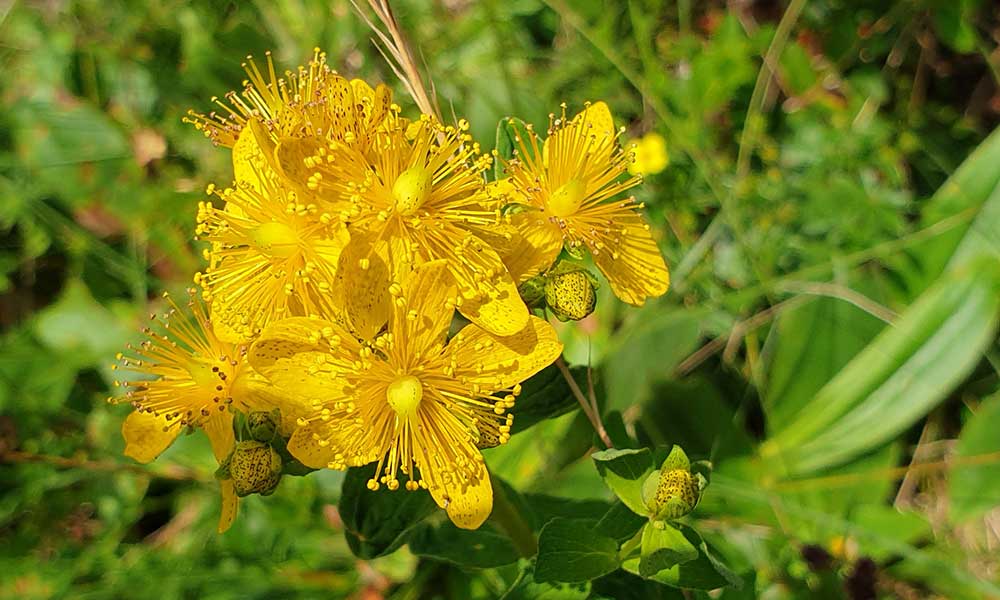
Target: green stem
{"x": 630, "y": 545}
{"x": 513, "y": 523}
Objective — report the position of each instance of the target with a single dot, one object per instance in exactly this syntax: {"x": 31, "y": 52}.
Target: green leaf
{"x": 649, "y": 352}
{"x": 545, "y": 508}
{"x": 508, "y": 129}
{"x": 975, "y": 188}
{"x": 624, "y": 471}
{"x": 974, "y": 488}
{"x": 622, "y": 585}
{"x": 527, "y": 588}
{"x": 482, "y": 548}
{"x": 620, "y": 522}
{"x": 79, "y": 328}
{"x": 813, "y": 342}
{"x": 887, "y": 522}
{"x": 664, "y": 548}
{"x": 705, "y": 427}
{"x": 954, "y": 21}
{"x": 904, "y": 373}
{"x": 571, "y": 551}
{"x": 703, "y": 573}
{"x": 546, "y": 395}
{"x": 376, "y": 523}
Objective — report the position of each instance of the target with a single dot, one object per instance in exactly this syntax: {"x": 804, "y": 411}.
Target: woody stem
{"x": 589, "y": 408}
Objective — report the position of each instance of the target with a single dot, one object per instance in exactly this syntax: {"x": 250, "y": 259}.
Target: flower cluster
{"x": 336, "y": 262}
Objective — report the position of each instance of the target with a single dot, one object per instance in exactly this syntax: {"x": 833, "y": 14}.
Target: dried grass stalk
{"x": 396, "y": 51}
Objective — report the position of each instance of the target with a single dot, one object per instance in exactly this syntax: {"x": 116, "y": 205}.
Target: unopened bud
{"x": 263, "y": 425}
{"x": 674, "y": 490}
{"x": 255, "y": 468}
{"x": 532, "y": 291}
{"x": 571, "y": 294}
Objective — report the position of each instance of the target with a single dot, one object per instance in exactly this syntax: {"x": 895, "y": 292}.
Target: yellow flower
{"x": 569, "y": 183}
{"x": 418, "y": 196}
{"x": 185, "y": 377}
{"x": 273, "y": 256}
{"x": 313, "y": 100}
{"x": 419, "y": 404}
{"x": 650, "y": 152}
{"x": 276, "y": 122}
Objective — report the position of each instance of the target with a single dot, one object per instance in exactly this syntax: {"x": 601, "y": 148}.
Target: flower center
{"x": 404, "y": 394}
{"x": 411, "y": 189}
{"x": 202, "y": 374}
{"x": 566, "y": 200}
{"x": 276, "y": 239}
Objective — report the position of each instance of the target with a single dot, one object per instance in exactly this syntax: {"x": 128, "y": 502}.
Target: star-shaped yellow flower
{"x": 419, "y": 404}
{"x": 313, "y": 100}
{"x": 274, "y": 255}
{"x": 567, "y": 186}
{"x": 418, "y": 196}
{"x": 278, "y": 121}
{"x": 184, "y": 377}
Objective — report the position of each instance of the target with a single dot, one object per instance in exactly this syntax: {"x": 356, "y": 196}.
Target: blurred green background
{"x": 804, "y": 215}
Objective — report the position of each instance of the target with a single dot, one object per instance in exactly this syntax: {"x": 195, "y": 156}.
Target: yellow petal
{"x": 291, "y": 154}
{"x": 498, "y": 308}
{"x": 223, "y": 331}
{"x": 425, "y": 316}
{"x": 252, "y": 154}
{"x": 632, "y": 261}
{"x": 537, "y": 245}
{"x": 145, "y": 438}
{"x": 362, "y": 91}
{"x": 362, "y": 287}
{"x": 251, "y": 392}
{"x": 230, "y": 505}
{"x": 599, "y": 123}
{"x": 219, "y": 429}
{"x": 468, "y": 505}
{"x": 497, "y": 363}
{"x": 489, "y": 295}
{"x": 319, "y": 443}
{"x": 598, "y": 117}
{"x": 650, "y": 155}
{"x": 288, "y": 353}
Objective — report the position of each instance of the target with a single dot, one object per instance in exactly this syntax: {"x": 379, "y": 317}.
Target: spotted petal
{"x": 230, "y": 505}
{"x": 631, "y": 260}
{"x": 147, "y": 435}
{"x": 423, "y": 314}
{"x": 253, "y": 156}
{"x": 538, "y": 243}
{"x": 300, "y": 362}
{"x": 496, "y": 363}
{"x": 362, "y": 287}
{"x": 219, "y": 429}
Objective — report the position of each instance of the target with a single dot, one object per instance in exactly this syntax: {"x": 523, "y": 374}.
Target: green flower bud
{"x": 263, "y": 425}
{"x": 532, "y": 291}
{"x": 571, "y": 294}
{"x": 255, "y": 468}
{"x": 674, "y": 490}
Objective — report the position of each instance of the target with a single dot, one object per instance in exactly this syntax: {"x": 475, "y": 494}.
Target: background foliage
{"x": 830, "y": 214}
